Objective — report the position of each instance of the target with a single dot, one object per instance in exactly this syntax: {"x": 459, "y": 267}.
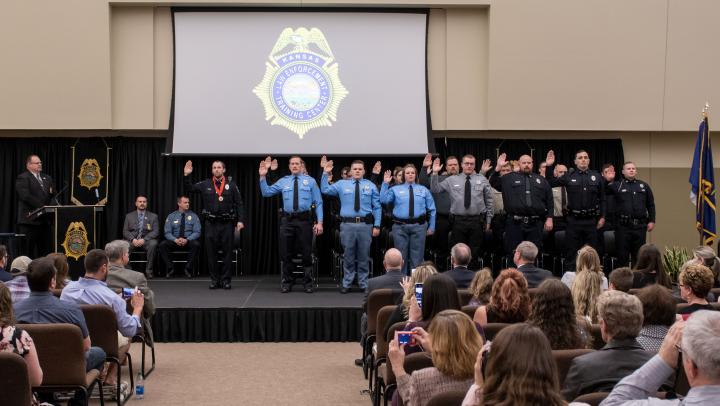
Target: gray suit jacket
{"x": 119, "y": 277}
{"x": 390, "y": 280}
{"x": 150, "y": 231}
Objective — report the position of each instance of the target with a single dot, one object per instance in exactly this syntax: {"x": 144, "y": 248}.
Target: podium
{"x": 75, "y": 232}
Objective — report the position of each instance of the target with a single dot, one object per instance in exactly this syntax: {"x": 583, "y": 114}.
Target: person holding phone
{"x": 119, "y": 277}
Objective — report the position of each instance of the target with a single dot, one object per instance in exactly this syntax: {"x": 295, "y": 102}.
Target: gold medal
{"x": 220, "y": 198}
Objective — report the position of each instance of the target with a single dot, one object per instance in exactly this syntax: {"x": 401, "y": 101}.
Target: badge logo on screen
{"x": 301, "y": 89}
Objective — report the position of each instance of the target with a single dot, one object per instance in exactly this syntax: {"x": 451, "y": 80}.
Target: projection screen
{"x": 256, "y": 83}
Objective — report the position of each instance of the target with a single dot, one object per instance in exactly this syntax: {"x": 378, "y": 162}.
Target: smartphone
{"x": 127, "y": 292}
{"x": 406, "y": 337}
{"x": 418, "y": 294}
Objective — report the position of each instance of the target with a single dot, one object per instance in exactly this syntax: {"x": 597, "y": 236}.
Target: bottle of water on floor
{"x": 139, "y": 386}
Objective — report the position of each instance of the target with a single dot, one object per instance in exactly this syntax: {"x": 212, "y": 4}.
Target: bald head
{"x": 560, "y": 170}
{"x": 460, "y": 255}
{"x": 393, "y": 260}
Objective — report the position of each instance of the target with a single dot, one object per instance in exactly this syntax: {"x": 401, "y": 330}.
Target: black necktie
{"x": 467, "y": 192}
{"x": 296, "y": 197}
{"x": 182, "y": 225}
{"x": 528, "y": 197}
{"x": 357, "y": 196}
{"x": 412, "y": 202}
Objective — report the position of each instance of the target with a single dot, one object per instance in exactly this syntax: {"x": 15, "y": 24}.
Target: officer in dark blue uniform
{"x": 182, "y": 232}
{"x": 635, "y": 213}
{"x": 223, "y": 212}
{"x": 585, "y": 202}
{"x": 299, "y": 193}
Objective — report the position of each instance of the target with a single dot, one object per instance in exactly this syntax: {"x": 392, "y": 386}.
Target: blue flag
{"x": 702, "y": 185}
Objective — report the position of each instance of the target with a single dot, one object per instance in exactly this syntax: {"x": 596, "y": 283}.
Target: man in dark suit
{"x": 460, "y": 257}
{"x": 141, "y": 230}
{"x": 524, "y": 258}
{"x": 35, "y": 190}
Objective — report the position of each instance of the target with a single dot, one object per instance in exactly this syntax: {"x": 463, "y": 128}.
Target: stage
{"x": 254, "y": 310}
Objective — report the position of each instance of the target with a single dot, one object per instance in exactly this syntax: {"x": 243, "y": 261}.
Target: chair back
{"x": 377, "y": 299}
{"x": 469, "y": 310}
{"x": 592, "y": 399}
{"x": 464, "y": 296}
{"x": 14, "y": 380}
{"x": 563, "y": 360}
{"x": 380, "y": 340}
{"x": 60, "y": 351}
{"x": 596, "y": 334}
{"x": 102, "y": 326}
{"x": 417, "y": 361}
{"x": 491, "y": 329}
{"x": 559, "y": 240}
{"x": 633, "y": 291}
{"x": 448, "y": 398}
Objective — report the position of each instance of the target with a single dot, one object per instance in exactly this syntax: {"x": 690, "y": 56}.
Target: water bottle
{"x": 139, "y": 386}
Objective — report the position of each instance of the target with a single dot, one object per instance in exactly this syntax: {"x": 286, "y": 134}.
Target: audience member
{"x": 18, "y": 284}
{"x": 61, "y": 265}
{"x": 480, "y": 287}
{"x": 585, "y": 292}
{"x": 421, "y": 273}
{"x": 620, "y": 322}
{"x": 520, "y": 371}
{"x": 460, "y": 257}
{"x": 553, "y": 312}
{"x": 705, "y": 255}
{"x": 658, "y": 315}
{"x": 524, "y": 258}
{"x": 695, "y": 282}
{"x": 119, "y": 276}
{"x": 587, "y": 260}
{"x": 453, "y": 343}
{"x": 4, "y": 274}
{"x": 649, "y": 268}
{"x": 44, "y": 308}
{"x": 697, "y": 339}
{"x": 15, "y": 340}
{"x": 621, "y": 279}
{"x": 509, "y": 300}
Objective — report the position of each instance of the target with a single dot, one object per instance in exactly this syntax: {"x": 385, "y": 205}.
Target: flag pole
{"x": 700, "y": 193}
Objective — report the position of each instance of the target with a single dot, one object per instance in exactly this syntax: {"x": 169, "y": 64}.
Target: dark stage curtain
{"x": 138, "y": 167}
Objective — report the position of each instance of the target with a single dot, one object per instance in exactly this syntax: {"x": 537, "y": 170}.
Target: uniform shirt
{"x": 45, "y": 308}
{"x": 481, "y": 200}
{"x": 308, "y": 193}
{"x": 633, "y": 198}
{"x": 232, "y": 201}
{"x": 345, "y": 191}
{"x": 192, "y": 225}
{"x": 442, "y": 200}
{"x": 513, "y": 188}
{"x": 399, "y": 195}
{"x": 92, "y": 291}
{"x": 585, "y": 189}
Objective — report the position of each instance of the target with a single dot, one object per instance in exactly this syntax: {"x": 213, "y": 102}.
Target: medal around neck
{"x": 301, "y": 88}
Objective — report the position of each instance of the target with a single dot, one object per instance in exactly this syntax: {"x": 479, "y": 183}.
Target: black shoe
{"x": 227, "y": 286}
{"x": 188, "y": 274}
{"x": 358, "y": 362}
{"x": 308, "y": 289}
{"x": 285, "y": 289}
{"x": 169, "y": 274}
{"x": 344, "y": 290}
{"x": 214, "y": 285}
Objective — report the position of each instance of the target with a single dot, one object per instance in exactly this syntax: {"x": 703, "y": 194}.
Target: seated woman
{"x": 695, "y": 282}
{"x": 553, "y": 312}
{"x": 15, "y": 340}
{"x": 453, "y": 343}
{"x": 508, "y": 379}
{"x": 421, "y": 273}
{"x": 480, "y": 287}
{"x": 705, "y": 255}
{"x": 509, "y": 300}
{"x": 62, "y": 266}
{"x": 658, "y": 315}
{"x": 649, "y": 268}
{"x": 585, "y": 290}
{"x": 587, "y": 260}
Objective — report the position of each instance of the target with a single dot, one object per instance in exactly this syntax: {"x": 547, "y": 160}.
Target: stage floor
{"x": 258, "y": 292}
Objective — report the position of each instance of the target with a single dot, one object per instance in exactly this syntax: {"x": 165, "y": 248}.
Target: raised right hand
{"x": 437, "y": 166}
{"x": 550, "y": 158}
{"x": 501, "y": 161}
{"x": 387, "y": 177}
{"x": 328, "y": 167}
{"x": 263, "y": 170}
{"x": 187, "y": 170}
{"x": 427, "y": 162}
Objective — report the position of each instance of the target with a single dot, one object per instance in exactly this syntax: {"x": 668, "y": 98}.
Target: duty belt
{"x": 367, "y": 219}
{"x": 475, "y": 217}
{"x": 300, "y": 215}
{"x": 416, "y": 220}
{"x": 218, "y": 217}
{"x": 526, "y": 219}
{"x": 632, "y": 221}
{"x": 586, "y": 214}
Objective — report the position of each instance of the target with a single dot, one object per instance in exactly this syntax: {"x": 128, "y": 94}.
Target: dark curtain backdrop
{"x": 138, "y": 166}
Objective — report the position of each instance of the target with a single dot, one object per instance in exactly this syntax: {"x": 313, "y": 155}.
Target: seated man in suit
{"x": 460, "y": 257}
{"x": 141, "y": 231}
{"x": 524, "y": 258}
{"x": 182, "y": 232}
{"x": 621, "y": 318}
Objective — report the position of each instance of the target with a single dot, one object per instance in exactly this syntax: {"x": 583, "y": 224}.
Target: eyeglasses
{"x": 678, "y": 348}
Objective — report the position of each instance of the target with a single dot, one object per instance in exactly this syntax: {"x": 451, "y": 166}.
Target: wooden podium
{"x": 75, "y": 232}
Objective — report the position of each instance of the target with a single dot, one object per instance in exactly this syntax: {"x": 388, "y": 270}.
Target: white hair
{"x": 701, "y": 343}
{"x": 116, "y": 249}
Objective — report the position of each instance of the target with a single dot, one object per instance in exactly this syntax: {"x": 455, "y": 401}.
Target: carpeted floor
{"x": 254, "y": 374}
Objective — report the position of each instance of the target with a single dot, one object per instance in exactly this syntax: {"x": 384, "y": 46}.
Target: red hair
{"x": 509, "y": 297}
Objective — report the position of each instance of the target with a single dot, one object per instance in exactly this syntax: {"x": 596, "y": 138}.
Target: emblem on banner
{"x": 301, "y": 89}
{"x": 90, "y": 175}
{"x": 76, "y": 240}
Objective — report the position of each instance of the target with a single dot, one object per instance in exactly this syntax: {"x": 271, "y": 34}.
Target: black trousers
{"x": 192, "y": 247}
{"x": 38, "y": 239}
{"x": 219, "y": 236}
{"x": 518, "y": 231}
{"x": 628, "y": 240}
{"x": 296, "y": 236}
{"x": 440, "y": 240}
{"x": 579, "y": 232}
{"x": 471, "y": 232}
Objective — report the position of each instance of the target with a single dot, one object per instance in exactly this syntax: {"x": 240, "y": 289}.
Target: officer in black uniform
{"x": 635, "y": 212}
{"x": 585, "y": 202}
{"x": 528, "y": 201}
{"x": 224, "y": 213}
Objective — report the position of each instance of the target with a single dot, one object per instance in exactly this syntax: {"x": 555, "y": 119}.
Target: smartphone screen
{"x": 127, "y": 292}
{"x": 418, "y": 293}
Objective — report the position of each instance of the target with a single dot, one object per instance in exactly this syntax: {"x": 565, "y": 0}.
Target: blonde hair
{"x": 586, "y": 289}
{"x": 481, "y": 285}
{"x": 455, "y": 344}
{"x": 587, "y": 260}
{"x": 6, "y": 306}
{"x": 421, "y": 273}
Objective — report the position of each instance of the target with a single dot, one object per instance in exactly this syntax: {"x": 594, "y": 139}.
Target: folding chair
{"x": 492, "y": 329}
{"x": 378, "y": 351}
{"x": 377, "y": 299}
{"x": 14, "y": 381}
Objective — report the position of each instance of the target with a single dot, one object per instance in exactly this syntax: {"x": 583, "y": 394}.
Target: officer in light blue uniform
{"x": 360, "y": 216}
{"x": 182, "y": 232}
{"x": 299, "y": 193}
{"x": 413, "y": 215}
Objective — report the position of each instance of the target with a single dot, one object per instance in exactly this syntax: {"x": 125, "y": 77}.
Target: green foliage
{"x": 673, "y": 260}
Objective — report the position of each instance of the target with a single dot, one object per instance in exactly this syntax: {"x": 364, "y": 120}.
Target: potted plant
{"x": 673, "y": 260}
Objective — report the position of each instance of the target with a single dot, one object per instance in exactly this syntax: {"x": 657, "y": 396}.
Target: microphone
{"x": 55, "y": 198}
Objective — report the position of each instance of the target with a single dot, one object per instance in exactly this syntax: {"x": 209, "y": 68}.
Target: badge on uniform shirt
{"x": 642, "y": 186}
{"x": 536, "y": 179}
{"x": 189, "y": 218}
{"x": 227, "y": 187}
{"x": 592, "y": 178}
{"x": 366, "y": 188}
{"x": 305, "y": 182}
